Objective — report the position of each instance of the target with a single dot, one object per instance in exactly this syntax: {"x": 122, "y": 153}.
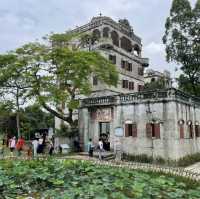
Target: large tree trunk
{"x": 17, "y": 115}
{"x": 67, "y": 119}
{"x": 18, "y": 124}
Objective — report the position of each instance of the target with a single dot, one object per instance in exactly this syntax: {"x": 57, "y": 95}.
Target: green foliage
{"x": 78, "y": 179}
{"x": 138, "y": 158}
{"x": 182, "y": 162}
{"x": 182, "y": 40}
{"x": 34, "y": 118}
{"x": 7, "y": 118}
{"x": 56, "y": 73}
{"x": 189, "y": 160}
{"x": 67, "y": 131}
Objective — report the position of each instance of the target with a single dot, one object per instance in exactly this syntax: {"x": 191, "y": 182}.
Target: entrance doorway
{"x": 104, "y": 134}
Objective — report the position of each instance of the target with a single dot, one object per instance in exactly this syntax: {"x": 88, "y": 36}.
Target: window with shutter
{"x": 190, "y": 128}
{"x": 126, "y": 130}
{"x": 181, "y": 126}
{"x": 130, "y": 130}
{"x": 123, "y": 83}
{"x": 112, "y": 58}
{"x": 131, "y": 85}
{"x": 197, "y": 130}
{"x": 140, "y": 71}
{"x": 123, "y": 64}
{"x": 129, "y": 66}
{"x": 134, "y": 130}
{"x": 149, "y": 130}
{"x": 140, "y": 87}
{"x": 157, "y": 130}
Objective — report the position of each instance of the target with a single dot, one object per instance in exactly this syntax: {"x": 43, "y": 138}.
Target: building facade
{"x": 151, "y": 75}
{"x": 164, "y": 123}
{"x": 117, "y": 42}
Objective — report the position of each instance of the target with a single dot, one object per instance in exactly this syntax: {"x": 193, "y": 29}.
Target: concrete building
{"x": 117, "y": 42}
{"x": 164, "y": 123}
{"x": 151, "y": 75}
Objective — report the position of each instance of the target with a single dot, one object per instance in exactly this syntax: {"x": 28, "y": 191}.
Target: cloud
{"x": 154, "y": 48}
{"x": 26, "y": 20}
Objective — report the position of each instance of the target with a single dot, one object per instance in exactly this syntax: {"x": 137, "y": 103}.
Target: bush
{"x": 182, "y": 162}
{"x": 188, "y": 160}
{"x": 143, "y": 158}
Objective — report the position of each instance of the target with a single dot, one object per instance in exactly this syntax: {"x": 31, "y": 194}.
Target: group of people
{"x": 39, "y": 145}
{"x": 36, "y": 146}
{"x": 100, "y": 148}
{"x": 13, "y": 144}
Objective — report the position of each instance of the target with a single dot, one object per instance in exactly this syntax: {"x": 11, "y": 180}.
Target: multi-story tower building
{"x": 117, "y": 42}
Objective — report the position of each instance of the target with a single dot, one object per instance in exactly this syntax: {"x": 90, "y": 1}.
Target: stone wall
{"x": 166, "y": 110}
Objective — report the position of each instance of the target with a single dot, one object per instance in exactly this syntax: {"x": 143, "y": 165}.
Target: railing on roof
{"x": 108, "y": 21}
{"x": 168, "y": 94}
{"x": 107, "y": 100}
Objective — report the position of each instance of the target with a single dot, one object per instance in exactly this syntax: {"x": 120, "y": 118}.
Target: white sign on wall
{"x": 119, "y": 132}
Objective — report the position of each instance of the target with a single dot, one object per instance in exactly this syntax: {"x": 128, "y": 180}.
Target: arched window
{"x": 181, "y": 128}
{"x": 190, "y": 128}
{"x": 126, "y": 44}
{"x": 115, "y": 38}
{"x": 106, "y": 32}
{"x": 96, "y": 33}
{"x": 136, "y": 50}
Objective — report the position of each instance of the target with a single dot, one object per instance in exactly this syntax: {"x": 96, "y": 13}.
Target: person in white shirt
{"x": 100, "y": 149}
{"x": 35, "y": 147}
{"x": 12, "y": 145}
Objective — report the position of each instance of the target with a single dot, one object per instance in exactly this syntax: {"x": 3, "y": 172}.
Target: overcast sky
{"x": 23, "y": 21}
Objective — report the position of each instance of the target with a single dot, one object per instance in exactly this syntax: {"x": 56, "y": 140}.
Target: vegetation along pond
{"x": 73, "y": 179}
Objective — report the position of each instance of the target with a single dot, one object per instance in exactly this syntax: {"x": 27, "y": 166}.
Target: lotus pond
{"x": 72, "y": 179}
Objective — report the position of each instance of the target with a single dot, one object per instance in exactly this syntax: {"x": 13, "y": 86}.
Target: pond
{"x": 73, "y": 179}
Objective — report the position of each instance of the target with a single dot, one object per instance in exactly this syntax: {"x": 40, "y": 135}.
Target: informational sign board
{"x": 119, "y": 132}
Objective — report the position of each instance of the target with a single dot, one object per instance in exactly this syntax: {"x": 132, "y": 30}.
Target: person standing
{"x": 40, "y": 145}
{"x": 19, "y": 145}
{"x": 100, "y": 149}
{"x": 90, "y": 148}
{"x": 12, "y": 145}
{"x": 51, "y": 147}
{"x": 35, "y": 146}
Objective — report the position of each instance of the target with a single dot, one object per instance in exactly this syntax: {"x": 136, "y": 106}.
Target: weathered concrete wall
{"x": 166, "y": 112}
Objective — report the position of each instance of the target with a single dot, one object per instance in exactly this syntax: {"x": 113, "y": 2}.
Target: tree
{"x": 7, "y": 118}
{"x": 182, "y": 40}
{"x": 34, "y": 118}
{"x": 13, "y": 82}
{"x": 60, "y": 73}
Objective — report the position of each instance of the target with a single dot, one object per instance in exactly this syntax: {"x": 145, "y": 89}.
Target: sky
{"x": 23, "y": 21}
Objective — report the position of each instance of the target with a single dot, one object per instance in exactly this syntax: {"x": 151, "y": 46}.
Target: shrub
{"x": 188, "y": 160}
{"x": 182, "y": 162}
